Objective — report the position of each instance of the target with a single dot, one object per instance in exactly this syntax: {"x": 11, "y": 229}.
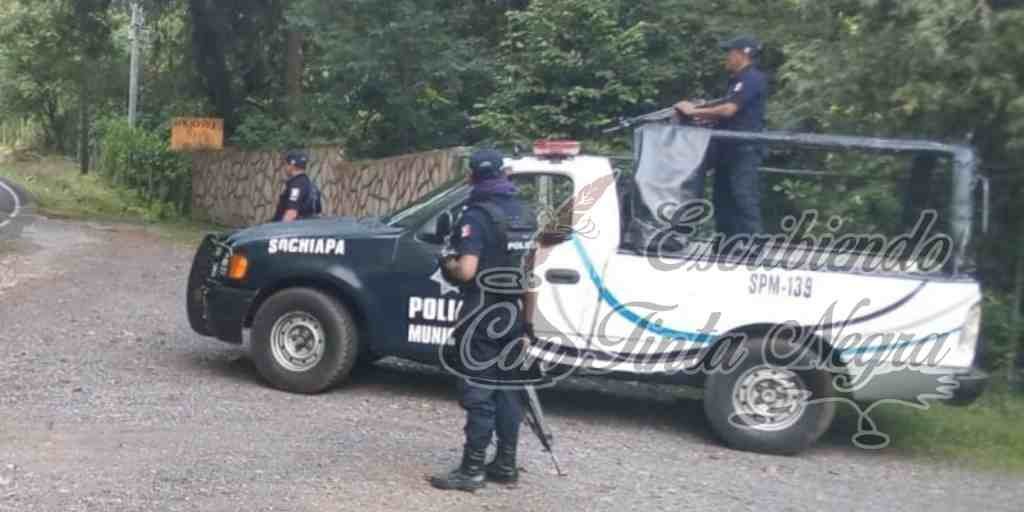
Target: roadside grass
{"x": 987, "y": 435}
{"x": 61, "y": 191}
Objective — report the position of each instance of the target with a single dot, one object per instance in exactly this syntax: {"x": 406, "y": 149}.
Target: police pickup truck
{"x": 776, "y": 346}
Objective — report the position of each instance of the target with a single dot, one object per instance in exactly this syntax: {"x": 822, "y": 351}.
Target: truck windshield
{"x": 419, "y": 210}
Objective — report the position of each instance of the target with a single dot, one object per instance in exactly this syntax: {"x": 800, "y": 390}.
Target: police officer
{"x": 489, "y": 321}
{"x": 737, "y": 187}
{"x": 300, "y": 198}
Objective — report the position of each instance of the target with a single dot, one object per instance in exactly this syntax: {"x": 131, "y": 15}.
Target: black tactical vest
{"x": 498, "y": 262}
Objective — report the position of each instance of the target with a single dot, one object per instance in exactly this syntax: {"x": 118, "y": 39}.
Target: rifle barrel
{"x": 651, "y": 116}
{"x": 662, "y": 114}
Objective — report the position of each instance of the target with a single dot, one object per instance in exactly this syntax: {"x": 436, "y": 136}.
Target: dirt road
{"x": 109, "y": 402}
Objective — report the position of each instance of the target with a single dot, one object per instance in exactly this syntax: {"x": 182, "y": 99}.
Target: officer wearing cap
{"x": 487, "y": 324}
{"x": 736, "y": 163}
{"x": 300, "y": 198}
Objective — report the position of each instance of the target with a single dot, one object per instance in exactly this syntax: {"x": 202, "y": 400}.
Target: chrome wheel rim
{"x": 297, "y": 341}
{"x": 769, "y": 399}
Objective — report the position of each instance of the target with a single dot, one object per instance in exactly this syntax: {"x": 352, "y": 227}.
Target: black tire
{"x": 340, "y": 346}
{"x": 750, "y": 432}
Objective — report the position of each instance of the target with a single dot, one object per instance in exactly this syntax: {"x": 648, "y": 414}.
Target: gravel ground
{"x": 109, "y": 402}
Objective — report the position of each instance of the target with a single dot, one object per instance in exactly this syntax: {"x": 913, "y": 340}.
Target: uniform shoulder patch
{"x": 739, "y": 87}
{"x": 294, "y": 194}
{"x": 467, "y": 231}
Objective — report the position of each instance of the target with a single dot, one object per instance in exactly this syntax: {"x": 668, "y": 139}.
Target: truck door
{"x": 566, "y": 300}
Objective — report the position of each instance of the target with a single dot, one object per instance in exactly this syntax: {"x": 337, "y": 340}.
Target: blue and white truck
{"x": 776, "y": 344}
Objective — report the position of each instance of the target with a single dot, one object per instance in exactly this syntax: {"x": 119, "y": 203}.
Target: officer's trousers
{"x": 737, "y": 194}
{"x": 490, "y": 409}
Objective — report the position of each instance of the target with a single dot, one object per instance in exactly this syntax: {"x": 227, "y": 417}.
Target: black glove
{"x": 443, "y": 260}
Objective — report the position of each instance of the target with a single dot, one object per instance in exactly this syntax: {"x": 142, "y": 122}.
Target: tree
{"x": 566, "y": 69}
{"x": 237, "y": 53}
{"x": 92, "y": 35}
{"x": 392, "y": 77}
{"x": 39, "y": 78}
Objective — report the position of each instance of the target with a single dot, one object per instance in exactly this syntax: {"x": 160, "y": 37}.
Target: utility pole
{"x": 133, "y": 86}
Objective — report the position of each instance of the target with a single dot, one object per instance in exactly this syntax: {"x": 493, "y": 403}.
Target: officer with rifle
{"x": 490, "y": 320}
{"x": 664, "y": 180}
{"x": 737, "y": 186}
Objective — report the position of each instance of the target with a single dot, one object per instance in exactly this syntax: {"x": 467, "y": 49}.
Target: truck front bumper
{"x": 214, "y": 309}
{"x": 950, "y": 386}
{"x": 226, "y": 312}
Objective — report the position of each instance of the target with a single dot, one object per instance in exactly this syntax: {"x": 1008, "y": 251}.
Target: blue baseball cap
{"x": 750, "y": 45}
{"x": 487, "y": 164}
{"x": 297, "y": 158}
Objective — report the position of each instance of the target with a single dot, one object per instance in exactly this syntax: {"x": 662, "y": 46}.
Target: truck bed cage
{"x": 964, "y": 175}
{"x": 965, "y": 163}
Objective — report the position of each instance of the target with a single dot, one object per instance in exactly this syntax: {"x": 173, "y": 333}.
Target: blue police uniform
{"x": 300, "y": 194}
{"x": 748, "y": 90}
{"x": 488, "y": 322}
{"x": 297, "y": 195}
{"x": 489, "y": 411}
{"x": 737, "y": 183}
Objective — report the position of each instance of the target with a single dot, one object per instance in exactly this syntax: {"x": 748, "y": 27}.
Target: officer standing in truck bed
{"x": 737, "y": 194}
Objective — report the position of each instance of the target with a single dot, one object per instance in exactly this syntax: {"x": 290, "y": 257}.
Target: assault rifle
{"x": 534, "y": 417}
{"x": 661, "y": 115}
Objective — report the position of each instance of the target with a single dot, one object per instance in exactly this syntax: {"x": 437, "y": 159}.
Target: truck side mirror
{"x": 441, "y": 229}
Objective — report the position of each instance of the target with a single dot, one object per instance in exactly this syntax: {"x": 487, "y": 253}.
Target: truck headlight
{"x": 971, "y": 330}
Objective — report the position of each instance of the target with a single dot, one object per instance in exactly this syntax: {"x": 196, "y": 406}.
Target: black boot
{"x": 503, "y": 468}
{"x": 469, "y": 476}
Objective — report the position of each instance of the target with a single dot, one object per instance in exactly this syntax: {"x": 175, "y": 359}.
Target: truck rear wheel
{"x": 776, "y": 399}
{"x": 304, "y": 341}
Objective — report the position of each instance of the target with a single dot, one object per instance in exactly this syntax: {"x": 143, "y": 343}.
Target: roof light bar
{"x": 561, "y": 148}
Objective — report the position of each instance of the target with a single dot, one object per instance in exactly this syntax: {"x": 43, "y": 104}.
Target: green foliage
{"x": 567, "y": 68}
{"x": 999, "y": 330}
{"x": 260, "y": 130}
{"x": 238, "y": 52}
{"x": 40, "y": 79}
{"x": 19, "y": 133}
{"x": 391, "y": 77}
{"x": 140, "y": 160}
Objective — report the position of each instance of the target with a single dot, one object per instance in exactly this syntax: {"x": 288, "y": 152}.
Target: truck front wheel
{"x": 775, "y": 399}
{"x": 304, "y": 341}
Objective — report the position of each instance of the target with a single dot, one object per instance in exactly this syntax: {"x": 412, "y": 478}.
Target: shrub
{"x": 141, "y": 160}
{"x": 998, "y": 330}
{"x": 260, "y": 131}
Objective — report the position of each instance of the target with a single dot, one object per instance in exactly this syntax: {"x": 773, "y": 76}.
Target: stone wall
{"x": 240, "y": 188}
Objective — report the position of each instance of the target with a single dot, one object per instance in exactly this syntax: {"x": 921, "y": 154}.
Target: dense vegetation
{"x": 390, "y": 77}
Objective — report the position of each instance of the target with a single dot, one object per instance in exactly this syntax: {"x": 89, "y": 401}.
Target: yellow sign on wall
{"x": 192, "y": 133}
